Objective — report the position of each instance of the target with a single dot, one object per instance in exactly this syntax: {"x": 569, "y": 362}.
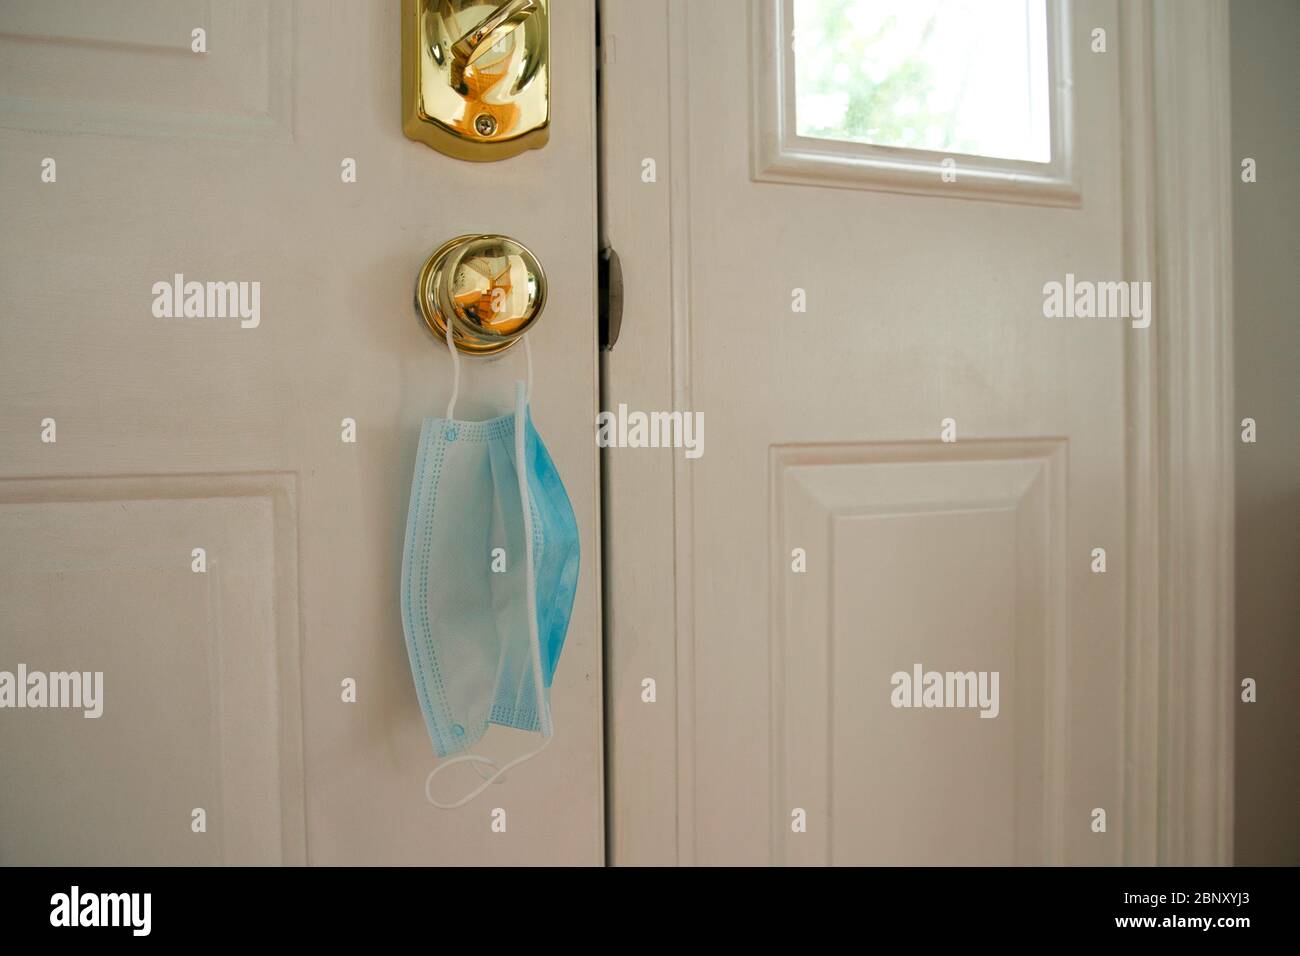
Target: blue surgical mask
{"x": 488, "y": 580}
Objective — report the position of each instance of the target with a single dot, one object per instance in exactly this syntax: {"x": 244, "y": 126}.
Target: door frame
{"x": 1178, "y": 667}
{"x": 1179, "y": 683}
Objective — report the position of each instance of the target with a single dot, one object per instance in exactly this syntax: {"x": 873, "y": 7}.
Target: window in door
{"x": 955, "y": 76}
{"x": 961, "y": 97}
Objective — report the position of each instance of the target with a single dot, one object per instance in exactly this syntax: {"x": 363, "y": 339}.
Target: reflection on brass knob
{"x": 492, "y": 289}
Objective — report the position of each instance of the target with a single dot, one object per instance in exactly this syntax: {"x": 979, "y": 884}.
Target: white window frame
{"x": 779, "y": 154}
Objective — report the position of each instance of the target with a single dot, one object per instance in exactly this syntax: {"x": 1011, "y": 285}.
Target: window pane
{"x": 952, "y": 76}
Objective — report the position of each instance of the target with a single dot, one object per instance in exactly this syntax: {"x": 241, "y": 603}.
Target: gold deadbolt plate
{"x": 476, "y": 76}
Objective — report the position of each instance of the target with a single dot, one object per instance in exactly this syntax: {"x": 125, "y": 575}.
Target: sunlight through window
{"x": 950, "y": 76}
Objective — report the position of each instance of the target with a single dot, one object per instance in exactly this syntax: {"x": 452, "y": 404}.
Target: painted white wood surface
{"x": 223, "y": 690}
{"x": 823, "y": 433}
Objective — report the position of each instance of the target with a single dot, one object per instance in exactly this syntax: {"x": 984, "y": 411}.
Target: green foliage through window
{"x": 960, "y": 76}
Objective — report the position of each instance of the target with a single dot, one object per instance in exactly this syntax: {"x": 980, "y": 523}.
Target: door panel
{"x": 824, "y": 434}
{"x": 898, "y": 525}
{"x": 223, "y": 687}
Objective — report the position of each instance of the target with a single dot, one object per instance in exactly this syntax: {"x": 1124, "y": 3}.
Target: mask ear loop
{"x": 528, "y": 357}
{"x": 455, "y": 374}
{"x": 450, "y": 414}
{"x": 523, "y": 395}
{"x": 451, "y": 411}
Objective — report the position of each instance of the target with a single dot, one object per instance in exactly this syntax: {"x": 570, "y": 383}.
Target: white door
{"x": 129, "y": 441}
{"x": 908, "y": 468}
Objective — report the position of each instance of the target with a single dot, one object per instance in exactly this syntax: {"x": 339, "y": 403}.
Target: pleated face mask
{"x": 489, "y": 573}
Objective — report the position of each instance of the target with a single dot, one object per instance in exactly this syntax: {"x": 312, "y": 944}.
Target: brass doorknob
{"x": 491, "y": 289}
